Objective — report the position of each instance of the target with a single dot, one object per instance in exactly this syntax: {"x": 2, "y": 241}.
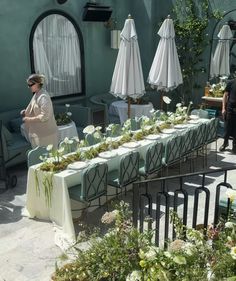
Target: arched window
{"x": 56, "y": 50}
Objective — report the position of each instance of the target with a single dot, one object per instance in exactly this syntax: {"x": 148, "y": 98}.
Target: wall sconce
{"x": 115, "y": 39}
{"x": 115, "y": 33}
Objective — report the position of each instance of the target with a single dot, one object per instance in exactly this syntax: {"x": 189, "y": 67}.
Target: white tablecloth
{"x": 136, "y": 110}
{"x": 59, "y": 212}
{"x": 68, "y": 130}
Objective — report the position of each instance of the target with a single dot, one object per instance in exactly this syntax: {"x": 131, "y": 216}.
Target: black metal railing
{"x": 152, "y": 193}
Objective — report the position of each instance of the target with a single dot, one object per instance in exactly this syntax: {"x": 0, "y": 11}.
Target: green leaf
{"x": 179, "y": 260}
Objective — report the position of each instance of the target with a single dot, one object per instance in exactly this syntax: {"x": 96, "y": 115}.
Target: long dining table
{"x": 59, "y": 211}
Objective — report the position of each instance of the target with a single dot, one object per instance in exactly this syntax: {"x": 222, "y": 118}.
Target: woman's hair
{"x": 36, "y": 78}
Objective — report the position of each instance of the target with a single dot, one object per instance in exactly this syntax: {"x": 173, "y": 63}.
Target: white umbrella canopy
{"x": 127, "y": 79}
{"x": 220, "y": 60}
{"x": 165, "y": 73}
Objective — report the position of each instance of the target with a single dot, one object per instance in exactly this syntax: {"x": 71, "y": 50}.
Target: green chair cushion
{"x": 7, "y": 134}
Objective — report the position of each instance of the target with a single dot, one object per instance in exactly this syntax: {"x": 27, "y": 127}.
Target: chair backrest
{"x": 91, "y": 139}
{"x": 129, "y": 168}
{"x": 115, "y": 131}
{"x": 212, "y": 130}
{"x": 94, "y": 182}
{"x": 172, "y": 151}
{"x": 212, "y": 113}
{"x": 187, "y": 142}
{"x": 135, "y": 124}
{"x": 199, "y": 136}
{"x": 69, "y": 145}
{"x": 153, "y": 158}
{"x": 34, "y": 154}
{"x": 200, "y": 112}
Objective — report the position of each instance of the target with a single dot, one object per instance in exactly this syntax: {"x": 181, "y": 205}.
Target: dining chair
{"x": 172, "y": 152}
{"x": 91, "y": 139}
{"x": 69, "y": 145}
{"x": 211, "y": 134}
{"x": 115, "y": 131}
{"x": 153, "y": 160}
{"x": 127, "y": 172}
{"x": 135, "y": 123}
{"x": 93, "y": 186}
{"x": 212, "y": 113}
{"x": 10, "y": 180}
{"x": 33, "y": 155}
{"x": 199, "y": 136}
{"x": 200, "y": 113}
{"x": 187, "y": 146}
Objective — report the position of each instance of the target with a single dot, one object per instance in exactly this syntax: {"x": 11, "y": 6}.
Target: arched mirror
{"x": 223, "y": 47}
{"x": 56, "y": 49}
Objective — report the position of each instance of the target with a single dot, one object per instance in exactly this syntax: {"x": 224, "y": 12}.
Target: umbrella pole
{"x": 129, "y": 101}
{"x": 161, "y": 101}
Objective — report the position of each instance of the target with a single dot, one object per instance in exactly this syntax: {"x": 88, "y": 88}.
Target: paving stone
{"x": 27, "y": 249}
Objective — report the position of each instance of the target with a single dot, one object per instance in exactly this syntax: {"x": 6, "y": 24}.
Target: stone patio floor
{"x": 27, "y": 249}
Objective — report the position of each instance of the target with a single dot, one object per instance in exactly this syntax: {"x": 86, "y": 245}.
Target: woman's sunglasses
{"x": 31, "y": 85}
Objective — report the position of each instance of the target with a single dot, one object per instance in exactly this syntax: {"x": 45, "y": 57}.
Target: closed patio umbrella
{"x": 165, "y": 73}
{"x": 127, "y": 80}
{"x": 220, "y": 60}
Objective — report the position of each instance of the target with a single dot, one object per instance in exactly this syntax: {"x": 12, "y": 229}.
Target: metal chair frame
{"x": 68, "y": 148}
{"x": 34, "y": 154}
{"x": 93, "y": 186}
{"x": 128, "y": 172}
{"x": 172, "y": 152}
{"x": 153, "y": 159}
{"x": 10, "y": 180}
{"x": 211, "y": 134}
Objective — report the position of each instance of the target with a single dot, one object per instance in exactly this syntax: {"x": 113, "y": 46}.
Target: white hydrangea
{"x": 152, "y": 252}
{"x": 229, "y": 224}
{"x": 231, "y": 194}
{"x": 136, "y": 275}
{"x": 233, "y": 253}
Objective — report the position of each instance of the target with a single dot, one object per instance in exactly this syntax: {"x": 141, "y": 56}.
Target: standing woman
{"x": 39, "y": 119}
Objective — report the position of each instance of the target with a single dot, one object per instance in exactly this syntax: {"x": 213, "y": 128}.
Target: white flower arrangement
{"x": 55, "y": 155}
{"x": 231, "y": 194}
{"x": 126, "y": 126}
{"x": 112, "y": 130}
{"x": 136, "y": 275}
{"x": 166, "y": 99}
{"x": 63, "y": 118}
{"x": 233, "y": 253}
{"x": 95, "y": 133}
{"x": 217, "y": 90}
{"x": 90, "y": 129}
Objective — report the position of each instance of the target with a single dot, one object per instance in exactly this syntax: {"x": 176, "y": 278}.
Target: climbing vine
{"x": 191, "y": 20}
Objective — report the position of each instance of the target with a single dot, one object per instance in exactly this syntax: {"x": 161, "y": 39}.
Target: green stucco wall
{"x": 18, "y": 16}
{"x": 16, "y": 21}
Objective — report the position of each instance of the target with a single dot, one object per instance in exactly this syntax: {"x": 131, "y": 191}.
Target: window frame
{"x": 81, "y": 44}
